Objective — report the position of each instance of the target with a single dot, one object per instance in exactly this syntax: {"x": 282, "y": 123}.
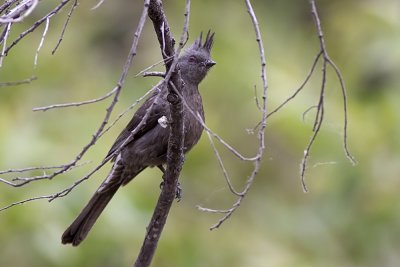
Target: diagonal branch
{"x": 25, "y": 81}
{"x": 116, "y": 91}
{"x": 175, "y": 142}
{"x": 56, "y": 10}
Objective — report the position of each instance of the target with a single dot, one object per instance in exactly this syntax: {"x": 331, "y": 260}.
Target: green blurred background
{"x": 351, "y": 217}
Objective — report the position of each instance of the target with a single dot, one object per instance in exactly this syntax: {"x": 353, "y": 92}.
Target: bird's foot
{"x": 178, "y": 190}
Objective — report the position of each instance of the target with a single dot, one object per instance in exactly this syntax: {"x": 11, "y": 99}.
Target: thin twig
{"x": 7, "y": 4}
{"x": 21, "y": 181}
{"x": 261, "y": 131}
{"x": 320, "y": 107}
{"x": 22, "y": 202}
{"x": 98, "y": 5}
{"x": 215, "y": 135}
{"x": 152, "y": 66}
{"x": 200, "y": 208}
{"x": 128, "y": 63}
{"x": 74, "y": 5}
{"x": 256, "y": 98}
{"x": 77, "y": 104}
{"x": 345, "y": 125}
{"x": 221, "y": 164}
{"x": 27, "y": 169}
{"x": 36, "y": 24}
{"x": 137, "y": 101}
{"x": 317, "y": 126}
{"x": 154, "y": 74}
{"x": 21, "y": 11}
{"x": 306, "y": 112}
{"x": 4, "y": 40}
{"x": 41, "y": 40}
{"x": 26, "y": 81}
{"x": 96, "y": 135}
{"x": 310, "y": 73}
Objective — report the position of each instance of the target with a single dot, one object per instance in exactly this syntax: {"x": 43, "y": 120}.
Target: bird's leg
{"x": 162, "y": 169}
{"x": 178, "y": 191}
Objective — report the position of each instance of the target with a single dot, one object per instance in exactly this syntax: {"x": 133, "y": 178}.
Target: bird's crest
{"x": 208, "y": 43}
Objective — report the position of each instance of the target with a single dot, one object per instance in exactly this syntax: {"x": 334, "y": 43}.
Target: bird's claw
{"x": 178, "y": 190}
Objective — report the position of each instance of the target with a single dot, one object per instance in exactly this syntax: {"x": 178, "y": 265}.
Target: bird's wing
{"x": 158, "y": 109}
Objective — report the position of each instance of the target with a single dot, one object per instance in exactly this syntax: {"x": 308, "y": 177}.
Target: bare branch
{"x": 306, "y": 112}
{"x": 26, "y": 81}
{"x": 77, "y": 104}
{"x": 22, "y": 202}
{"x": 98, "y": 5}
{"x": 317, "y": 126}
{"x": 99, "y": 131}
{"x": 345, "y": 127}
{"x": 36, "y": 24}
{"x": 175, "y": 142}
{"x": 18, "y": 13}
{"x": 221, "y": 164}
{"x": 21, "y": 181}
{"x": 320, "y": 107}
{"x": 127, "y": 110}
{"x": 310, "y": 73}
{"x": 6, "y": 32}
{"x": 154, "y": 74}
{"x": 261, "y": 131}
{"x": 27, "y": 169}
{"x": 200, "y": 208}
{"x": 6, "y": 5}
{"x": 41, "y": 41}
{"x": 152, "y": 66}
{"x": 74, "y": 5}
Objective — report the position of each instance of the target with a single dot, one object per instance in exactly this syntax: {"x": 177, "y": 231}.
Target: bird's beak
{"x": 210, "y": 63}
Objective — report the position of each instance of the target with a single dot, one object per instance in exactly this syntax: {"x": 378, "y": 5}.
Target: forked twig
{"x": 261, "y": 131}
{"x": 116, "y": 91}
{"x": 301, "y": 87}
{"x": 39, "y": 22}
{"x": 19, "y": 12}
{"x": 320, "y": 107}
{"x": 74, "y": 5}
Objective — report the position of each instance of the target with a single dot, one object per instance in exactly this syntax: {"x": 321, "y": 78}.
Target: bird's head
{"x": 196, "y": 60}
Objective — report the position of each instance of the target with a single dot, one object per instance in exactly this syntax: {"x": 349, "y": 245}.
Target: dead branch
{"x": 261, "y": 131}
{"x": 77, "y": 104}
{"x": 41, "y": 41}
{"x": 26, "y": 81}
{"x": 320, "y": 107}
{"x": 19, "y": 12}
{"x": 175, "y": 142}
{"x": 74, "y": 5}
{"x": 66, "y": 167}
{"x": 39, "y": 22}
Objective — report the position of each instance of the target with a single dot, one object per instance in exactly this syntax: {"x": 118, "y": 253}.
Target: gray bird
{"x": 148, "y": 146}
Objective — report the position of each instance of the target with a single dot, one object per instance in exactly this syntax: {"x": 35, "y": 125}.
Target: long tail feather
{"x": 79, "y": 228}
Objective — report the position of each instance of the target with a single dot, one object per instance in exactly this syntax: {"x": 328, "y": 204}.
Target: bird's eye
{"x": 192, "y": 59}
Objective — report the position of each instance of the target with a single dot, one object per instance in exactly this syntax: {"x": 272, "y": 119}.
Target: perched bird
{"x": 148, "y": 146}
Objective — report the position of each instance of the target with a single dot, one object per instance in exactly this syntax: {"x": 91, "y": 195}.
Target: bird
{"x": 147, "y": 146}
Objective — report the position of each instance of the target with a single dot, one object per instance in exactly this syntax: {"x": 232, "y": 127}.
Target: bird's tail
{"x": 79, "y": 228}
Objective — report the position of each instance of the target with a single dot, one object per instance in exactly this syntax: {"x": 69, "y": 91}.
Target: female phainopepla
{"x": 148, "y": 145}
